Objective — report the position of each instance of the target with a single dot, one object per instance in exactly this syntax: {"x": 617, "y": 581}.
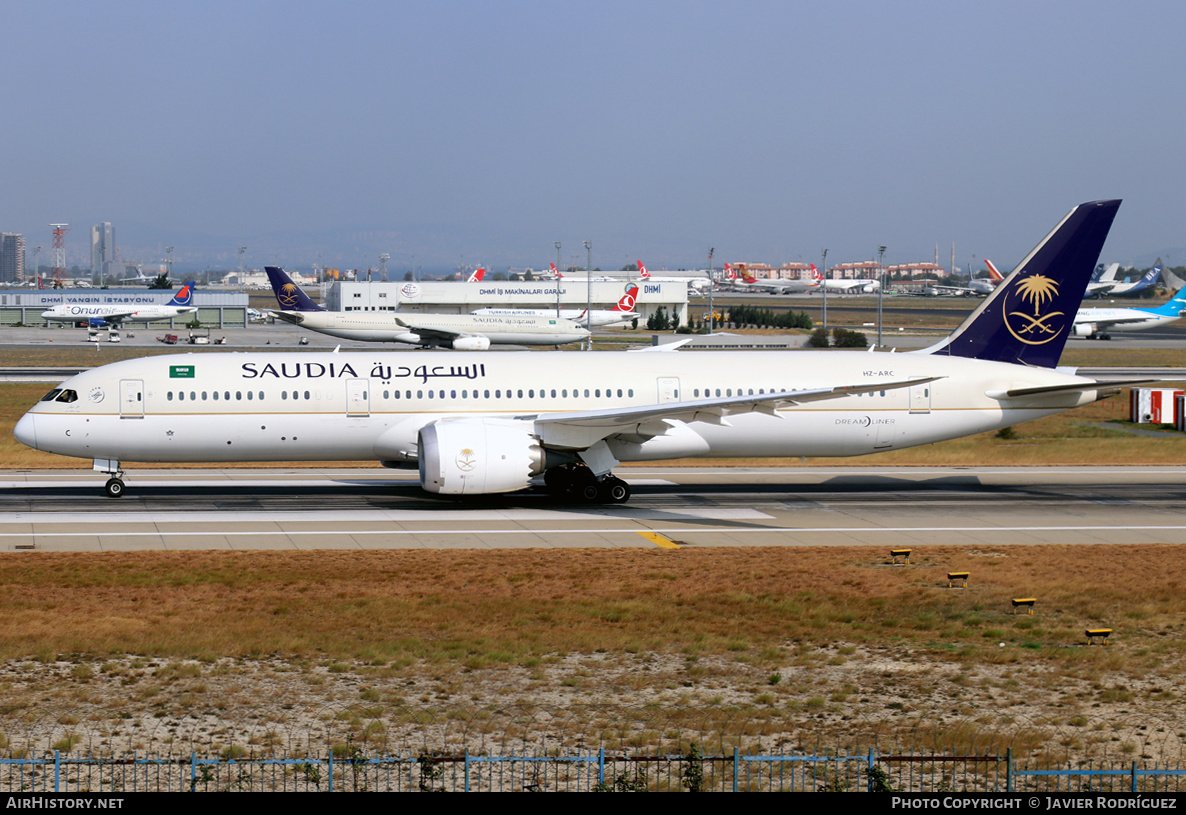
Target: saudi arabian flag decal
{"x": 181, "y": 372}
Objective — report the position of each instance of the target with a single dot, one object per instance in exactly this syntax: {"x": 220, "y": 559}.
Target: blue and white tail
{"x": 185, "y": 295}
{"x": 1028, "y": 318}
{"x": 1171, "y": 308}
{"x": 289, "y": 294}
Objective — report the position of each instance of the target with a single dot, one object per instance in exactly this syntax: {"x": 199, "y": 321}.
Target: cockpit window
{"x": 67, "y": 396}
{"x": 49, "y": 397}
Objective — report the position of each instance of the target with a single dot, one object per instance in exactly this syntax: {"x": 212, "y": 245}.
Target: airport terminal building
{"x": 222, "y": 309}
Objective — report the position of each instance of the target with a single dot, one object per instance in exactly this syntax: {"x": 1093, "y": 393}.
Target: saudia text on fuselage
{"x": 335, "y": 370}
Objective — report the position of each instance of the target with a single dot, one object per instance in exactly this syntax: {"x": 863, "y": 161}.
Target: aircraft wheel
{"x": 590, "y": 493}
{"x": 114, "y": 488}
{"x": 615, "y": 490}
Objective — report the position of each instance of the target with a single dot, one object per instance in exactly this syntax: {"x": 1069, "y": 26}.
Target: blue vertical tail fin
{"x": 1171, "y": 308}
{"x": 185, "y": 295}
{"x": 1028, "y": 318}
{"x": 289, "y": 294}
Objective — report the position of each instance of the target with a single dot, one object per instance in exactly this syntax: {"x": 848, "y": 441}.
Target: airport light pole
{"x": 880, "y": 288}
{"x": 712, "y": 284}
{"x": 557, "y": 245}
{"x": 589, "y": 292}
{"x": 823, "y": 262}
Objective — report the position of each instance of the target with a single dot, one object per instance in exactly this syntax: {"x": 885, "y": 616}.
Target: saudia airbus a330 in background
{"x": 493, "y": 422}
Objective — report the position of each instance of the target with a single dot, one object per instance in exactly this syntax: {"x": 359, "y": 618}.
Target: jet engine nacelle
{"x": 471, "y": 344}
{"x": 1083, "y": 330}
{"x": 474, "y": 456}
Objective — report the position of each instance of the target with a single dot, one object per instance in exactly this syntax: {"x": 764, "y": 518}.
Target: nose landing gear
{"x": 115, "y": 485}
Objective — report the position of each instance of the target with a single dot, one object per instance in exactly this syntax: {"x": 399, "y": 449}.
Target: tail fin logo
{"x": 288, "y": 295}
{"x": 815, "y": 275}
{"x": 1031, "y": 293}
{"x": 477, "y": 276}
{"x": 642, "y": 270}
{"x": 628, "y": 299}
{"x": 556, "y": 272}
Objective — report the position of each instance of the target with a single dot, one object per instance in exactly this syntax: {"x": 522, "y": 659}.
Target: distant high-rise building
{"x": 103, "y": 249}
{"x": 12, "y": 257}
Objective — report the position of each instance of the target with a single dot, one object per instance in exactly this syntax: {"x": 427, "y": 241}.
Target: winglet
{"x": 289, "y": 294}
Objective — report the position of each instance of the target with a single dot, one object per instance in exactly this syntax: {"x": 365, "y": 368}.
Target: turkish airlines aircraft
{"x": 623, "y": 312}
{"x": 493, "y": 422}
{"x": 843, "y": 285}
{"x": 114, "y": 315}
{"x": 461, "y": 332}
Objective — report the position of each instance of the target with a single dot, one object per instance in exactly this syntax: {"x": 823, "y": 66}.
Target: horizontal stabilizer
{"x": 1055, "y": 389}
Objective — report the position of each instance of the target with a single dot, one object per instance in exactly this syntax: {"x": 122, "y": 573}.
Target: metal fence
{"x": 354, "y": 771}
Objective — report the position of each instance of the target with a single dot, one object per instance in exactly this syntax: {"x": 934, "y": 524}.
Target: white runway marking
{"x": 863, "y": 530}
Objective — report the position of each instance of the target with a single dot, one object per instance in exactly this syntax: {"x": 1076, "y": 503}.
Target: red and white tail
{"x": 556, "y": 272}
{"x": 477, "y": 276}
{"x": 642, "y": 270}
{"x": 729, "y": 273}
{"x": 40, "y": 282}
{"x": 996, "y": 276}
{"x": 628, "y": 299}
{"x": 815, "y": 273}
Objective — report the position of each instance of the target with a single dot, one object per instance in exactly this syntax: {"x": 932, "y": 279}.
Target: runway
{"x": 245, "y": 509}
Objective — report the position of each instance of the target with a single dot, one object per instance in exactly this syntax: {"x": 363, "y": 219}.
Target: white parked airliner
{"x": 114, "y": 315}
{"x": 493, "y": 422}
{"x": 623, "y": 312}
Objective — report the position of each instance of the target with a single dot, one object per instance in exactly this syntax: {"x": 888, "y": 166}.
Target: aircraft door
{"x": 131, "y": 399}
{"x": 358, "y": 402}
{"x": 920, "y": 398}
{"x": 668, "y": 389}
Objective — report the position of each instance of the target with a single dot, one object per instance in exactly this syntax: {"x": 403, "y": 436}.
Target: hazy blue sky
{"x": 481, "y": 132}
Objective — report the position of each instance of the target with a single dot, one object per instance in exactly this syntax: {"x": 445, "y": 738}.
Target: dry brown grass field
{"x": 830, "y": 640}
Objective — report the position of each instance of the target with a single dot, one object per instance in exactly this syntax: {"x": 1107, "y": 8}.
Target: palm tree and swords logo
{"x": 1036, "y": 291}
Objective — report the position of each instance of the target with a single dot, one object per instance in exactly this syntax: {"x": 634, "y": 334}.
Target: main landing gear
{"x": 577, "y": 481}
{"x": 115, "y": 485}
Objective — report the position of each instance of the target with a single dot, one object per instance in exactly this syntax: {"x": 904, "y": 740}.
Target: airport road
{"x": 244, "y": 509}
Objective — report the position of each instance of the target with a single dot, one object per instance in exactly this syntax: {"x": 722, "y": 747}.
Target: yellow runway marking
{"x": 659, "y": 540}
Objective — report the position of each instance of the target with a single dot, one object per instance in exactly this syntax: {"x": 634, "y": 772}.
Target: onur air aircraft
{"x": 461, "y": 332}
{"x": 115, "y": 315}
{"x": 623, "y": 312}
{"x": 504, "y": 421}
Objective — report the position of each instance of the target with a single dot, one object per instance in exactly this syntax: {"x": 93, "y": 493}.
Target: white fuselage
{"x": 371, "y": 405}
{"x": 1122, "y": 319}
{"x": 852, "y": 286}
{"x": 77, "y": 313}
{"x": 382, "y": 327}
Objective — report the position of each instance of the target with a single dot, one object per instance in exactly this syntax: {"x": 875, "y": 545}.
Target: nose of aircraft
{"x": 26, "y": 431}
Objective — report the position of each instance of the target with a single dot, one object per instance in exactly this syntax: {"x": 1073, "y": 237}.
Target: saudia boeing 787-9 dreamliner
{"x": 494, "y": 422}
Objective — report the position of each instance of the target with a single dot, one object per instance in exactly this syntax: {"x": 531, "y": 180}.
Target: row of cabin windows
{"x": 226, "y": 396}
{"x": 432, "y": 394}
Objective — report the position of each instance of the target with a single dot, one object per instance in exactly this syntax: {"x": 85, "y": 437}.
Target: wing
{"x": 581, "y": 429}
{"x": 432, "y": 334}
